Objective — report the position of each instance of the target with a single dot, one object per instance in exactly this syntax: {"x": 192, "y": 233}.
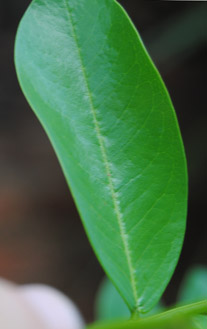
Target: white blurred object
{"x": 36, "y": 307}
{"x": 55, "y": 309}
{"x": 14, "y": 311}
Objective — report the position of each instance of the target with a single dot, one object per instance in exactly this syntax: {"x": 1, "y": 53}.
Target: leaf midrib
{"x": 106, "y": 162}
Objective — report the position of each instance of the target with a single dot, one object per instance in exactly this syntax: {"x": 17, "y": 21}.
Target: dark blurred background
{"x": 41, "y": 236}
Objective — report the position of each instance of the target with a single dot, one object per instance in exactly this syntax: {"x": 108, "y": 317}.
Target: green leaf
{"x": 90, "y": 81}
{"x": 193, "y": 289}
{"x": 200, "y": 322}
{"x": 194, "y": 285}
{"x": 110, "y": 305}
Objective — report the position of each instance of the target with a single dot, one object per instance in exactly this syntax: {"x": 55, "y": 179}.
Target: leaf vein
{"x": 106, "y": 162}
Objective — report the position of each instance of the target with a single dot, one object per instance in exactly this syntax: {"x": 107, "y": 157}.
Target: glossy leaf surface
{"x": 90, "y": 81}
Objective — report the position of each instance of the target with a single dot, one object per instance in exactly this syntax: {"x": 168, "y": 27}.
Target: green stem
{"x": 135, "y": 316}
{"x": 182, "y": 312}
{"x": 186, "y": 310}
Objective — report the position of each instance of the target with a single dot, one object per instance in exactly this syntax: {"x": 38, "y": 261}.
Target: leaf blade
{"x": 115, "y": 145}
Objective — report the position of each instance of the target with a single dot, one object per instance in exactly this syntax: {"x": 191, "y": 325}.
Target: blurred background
{"x": 41, "y": 236}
